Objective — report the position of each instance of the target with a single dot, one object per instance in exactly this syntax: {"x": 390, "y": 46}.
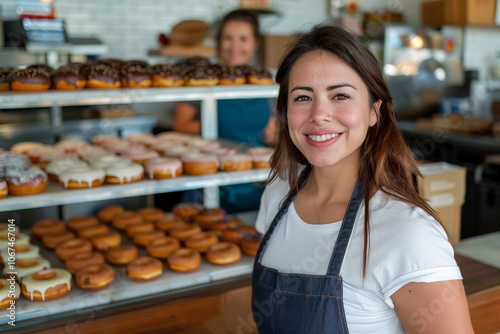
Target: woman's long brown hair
{"x": 386, "y": 161}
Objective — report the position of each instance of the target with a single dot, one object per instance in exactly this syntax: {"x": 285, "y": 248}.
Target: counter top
{"x": 483, "y": 248}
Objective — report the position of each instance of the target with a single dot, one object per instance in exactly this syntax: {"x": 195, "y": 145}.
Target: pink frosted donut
{"x": 179, "y": 151}
{"x": 177, "y": 136}
{"x": 163, "y": 168}
{"x": 140, "y": 155}
{"x": 82, "y": 177}
{"x": 90, "y": 153}
{"x": 200, "y": 164}
{"x": 145, "y": 139}
{"x": 163, "y": 146}
{"x": 100, "y": 139}
{"x": 261, "y": 156}
{"x": 204, "y": 145}
{"x": 106, "y": 161}
{"x": 124, "y": 172}
{"x": 24, "y": 147}
{"x": 70, "y": 146}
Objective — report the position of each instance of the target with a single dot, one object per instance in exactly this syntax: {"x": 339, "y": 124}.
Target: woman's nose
{"x": 321, "y": 111}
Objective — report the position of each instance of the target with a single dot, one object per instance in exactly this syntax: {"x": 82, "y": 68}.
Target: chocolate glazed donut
{"x": 4, "y": 82}
{"x": 29, "y": 79}
{"x": 102, "y": 76}
{"x": 165, "y": 75}
{"x": 229, "y": 75}
{"x": 201, "y": 76}
{"x": 68, "y": 77}
{"x": 136, "y": 74}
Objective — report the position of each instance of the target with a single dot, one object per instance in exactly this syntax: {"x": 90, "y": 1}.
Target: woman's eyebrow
{"x": 329, "y": 88}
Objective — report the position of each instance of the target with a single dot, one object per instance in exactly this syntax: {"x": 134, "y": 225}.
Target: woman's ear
{"x": 375, "y": 112}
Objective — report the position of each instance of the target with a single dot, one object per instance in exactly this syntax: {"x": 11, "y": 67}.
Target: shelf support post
{"x": 56, "y": 116}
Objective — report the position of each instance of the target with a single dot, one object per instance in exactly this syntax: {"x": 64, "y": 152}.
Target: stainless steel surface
{"x": 58, "y": 195}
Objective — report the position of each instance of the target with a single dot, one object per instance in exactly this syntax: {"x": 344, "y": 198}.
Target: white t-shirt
{"x": 406, "y": 245}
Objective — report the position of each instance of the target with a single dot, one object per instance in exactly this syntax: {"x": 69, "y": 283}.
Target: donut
{"x": 184, "y": 260}
{"x": 132, "y": 229}
{"x": 4, "y": 82}
{"x": 57, "y": 166}
{"x": 71, "y": 247}
{"x": 102, "y": 76}
{"x": 27, "y": 267}
{"x": 122, "y": 173}
{"x": 260, "y": 76}
{"x": 140, "y": 155}
{"x": 204, "y": 145}
{"x": 47, "y": 284}
{"x": 25, "y": 147}
{"x": 51, "y": 240}
{"x": 185, "y": 231}
{"x": 91, "y": 231}
{"x": 79, "y": 222}
{"x": 68, "y": 78}
{"x": 46, "y": 226}
{"x": 261, "y": 156}
{"x": 102, "y": 138}
{"x": 26, "y": 182}
{"x": 230, "y": 75}
{"x": 250, "y": 244}
{"x": 200, "y": 164}
{"x": 71, "y": 146}
{"x": 201, "y": 241}
{"x": 161, "y": 146}
{"x": 220, "y": 225}
{"x": 141, "y": 239}
{"x": 165, "y": 224}
{"x": 201, "y": 76}
{"x": 78, "y": 261}
{"x": 162, "y": 247}
{"x": 109, "y": 160}
{"x": 94, "y": 276}
{"x": 36, "y": 153}
{"x": 44, "y": 67}
{"x": 236, "y": 235}
{"x": 146, "y": 139}
{"x": 22, "y": 239}
{"x": 186, "y": 210}
{"x": 4, "y": 189}
{"x": 179, "y": 151}
{"x": 91, "y": 153}
{"x": 123, "y": 219}
{"x": 29, "y": 79}
{"x": 136, "y": 76}
{"x": 223, "y": 253}
{"x": 163, "y": 168}
{"x": 144, "y": 269}
{"x": 82, "y": 177}
{"x": 120, "y": 256}
{"x": 151, "y": 214}
{"x": 206, "y": 217}
{"x": 21, "y": 253}
{"x": 106, "y": 214}
{"x": 7, "y": 228}
{"x": 9, "y": 293}
{"x": 103, "y": 242}
{"x": 235, "y": 162}
{"x": 165, "y": 75}
{"x": 10, "y": 161}
{"x": 115, "y": 63}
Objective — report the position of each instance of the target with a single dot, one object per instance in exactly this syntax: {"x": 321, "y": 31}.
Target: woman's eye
{"x": 301, "y": 98}
{"x": 341, "y": 97}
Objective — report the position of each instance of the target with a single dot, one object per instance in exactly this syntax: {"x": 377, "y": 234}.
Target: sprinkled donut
{"x": 26, "y": 182}
{"x": 29, "y": 79}
{"x": 165, "y": 75}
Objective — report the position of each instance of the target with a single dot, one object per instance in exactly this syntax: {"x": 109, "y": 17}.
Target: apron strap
{"x": 282, "y": 211}
{"x": 346, "y": 230}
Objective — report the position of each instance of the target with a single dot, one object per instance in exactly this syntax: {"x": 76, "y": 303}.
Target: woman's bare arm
{"x": 185, "y": 118}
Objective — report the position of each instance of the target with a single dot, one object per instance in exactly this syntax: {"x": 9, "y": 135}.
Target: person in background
{"x": 247, "y": 121}
{"x": 349, "y": 245}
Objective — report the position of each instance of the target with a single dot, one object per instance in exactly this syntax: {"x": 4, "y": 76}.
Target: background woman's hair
{"x": 242, "y": 16}
{"x": 386, "y": 161}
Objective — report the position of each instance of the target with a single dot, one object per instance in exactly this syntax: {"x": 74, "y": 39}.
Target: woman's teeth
{"x": 321, "y": 138}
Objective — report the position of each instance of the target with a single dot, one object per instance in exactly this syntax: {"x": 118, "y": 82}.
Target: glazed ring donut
{"x": 218, "y": 226}
{"x": 144, "y": 269}
{"x": 27, "y": 267}
{"x": 79, "y": 222}
{"x": 201, "y": 241}
{"x": 82, "y": 177}
{"x": 78, "y": 261}
{"x": 6, "y": 295}
{"x": 206, "y": 217}
{"x": 22, "y": 239}
{"x": 47, "y": 284}
{"x": 132, "y": 229}
{"x": 186, "y": 210}
{"x": 94, "y": 276}
{"x": 51, "y": 240}
{"x": 26, "y": 182}
{"x": 125, "y": 218}
{"x": 185, "y": 231}
{"x": 71, "y": 247}
{"x": 161, "y": 248}
{"x": 106, "y": 215}
{"x": 165, "y": 224}
{"x": 163, "y": 168}
{"x": 122, "y": 173}
{"x": 91, "y": 231}
{"x": 4, "y": 189}
{"x": 151, "y": 214}
{"x": 250, "y": 244}
{"x": 200, "y": 163}
{"x": 236, "y": 234}
{"x": 6, "y": 228}
{"x": 261, "y": 156}
{"x": 103, "y": 242}
{"x": 184, "y": 260}
{"x": 235, "y": 162}
{"x": 122, "y": 255}
{"x": 21, "y": 253}
{"x": 223, "y": 253}
{"x": 141, "y": 239}
{"x": 45, "y": 226}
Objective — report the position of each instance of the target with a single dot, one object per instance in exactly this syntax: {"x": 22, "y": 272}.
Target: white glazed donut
{"x": 27, "y": 267}
{"x": 20, "y": 239}
{"x": 21, "y": 253}
{"x": 4, "y": 229}
{"x": 163, "y": 168}
{"x": 6, "y": 293}
{"x": 106, "y": 161}
{"x": 57, "y": 167}
{"x": 31, "y": 284}
{"x": 124, "y": 172}
{"x": 82, "y": 177}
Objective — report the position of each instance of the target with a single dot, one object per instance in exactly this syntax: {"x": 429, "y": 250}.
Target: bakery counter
{"x": 56, "y": 194}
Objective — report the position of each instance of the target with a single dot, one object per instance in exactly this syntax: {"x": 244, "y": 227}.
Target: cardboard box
{"x": 479, "y": 12}
{"x": 433, "y": 13}
{"x": 274, "y": 47}
{"x": 442, "y": 185}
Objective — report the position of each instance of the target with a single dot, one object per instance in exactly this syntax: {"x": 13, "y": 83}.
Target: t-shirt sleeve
{"x": 269, "y": 204}
{"x": 417, "y": 250}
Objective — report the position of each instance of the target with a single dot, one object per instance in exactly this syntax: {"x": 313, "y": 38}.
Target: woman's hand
{"x": 438, "y": 307}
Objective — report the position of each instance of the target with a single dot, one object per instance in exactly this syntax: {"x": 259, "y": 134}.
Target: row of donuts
{"x": 83, "y": 252}
{"x": 115, "y": 73}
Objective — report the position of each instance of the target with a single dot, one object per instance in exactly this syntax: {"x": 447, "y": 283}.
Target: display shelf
{"x": 13, "y": 100}
{"x": 58, "y": 195}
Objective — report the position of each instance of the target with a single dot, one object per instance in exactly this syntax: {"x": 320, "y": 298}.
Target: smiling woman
{"x": 349, "y": 245}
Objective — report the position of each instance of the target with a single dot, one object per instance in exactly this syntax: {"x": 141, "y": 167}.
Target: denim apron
{"x": 300, "y": 303}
